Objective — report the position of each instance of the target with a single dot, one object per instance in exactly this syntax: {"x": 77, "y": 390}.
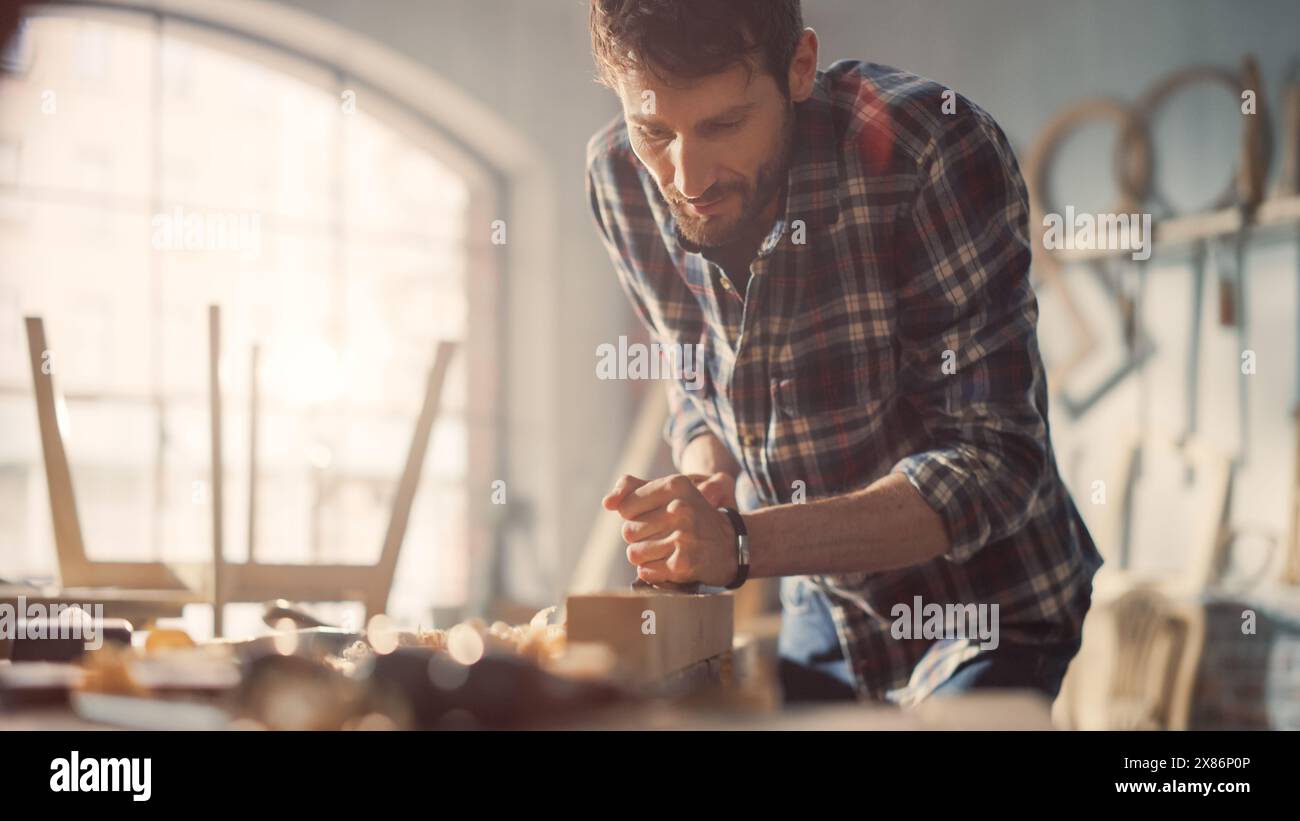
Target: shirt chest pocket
{"x": 836, "y": 379}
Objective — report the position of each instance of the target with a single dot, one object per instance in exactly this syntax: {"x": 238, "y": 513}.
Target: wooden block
{"x": 656, "y": 633}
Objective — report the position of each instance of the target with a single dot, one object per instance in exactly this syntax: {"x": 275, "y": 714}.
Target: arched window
{"x": 150, "y": 166}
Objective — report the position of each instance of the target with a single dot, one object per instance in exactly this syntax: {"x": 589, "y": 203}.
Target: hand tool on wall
{"x": 1108, "y": 515}
{"x": 1252, "y": 169}
{"x": 1132, "y": 333}
{"x": 1244, "y": 189}
{"x": 1138, "y": 348}
{"x": 1192, "y": 382}
{"x": 1132, "y": 166}
{"x": 1212, "y": 536}
{"x": 1289, "y": 185}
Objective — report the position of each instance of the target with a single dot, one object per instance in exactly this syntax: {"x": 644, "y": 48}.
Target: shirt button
{"x": 749, "y": 441}
{"x": 726, "y": 285}
{"x": 783, "y": 390}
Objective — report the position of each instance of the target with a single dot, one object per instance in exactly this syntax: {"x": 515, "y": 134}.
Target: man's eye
{"x": 654, "y": 136}
{"x": 723, "y": 127}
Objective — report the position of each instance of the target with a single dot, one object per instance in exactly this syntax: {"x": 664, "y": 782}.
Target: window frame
{"x": 488, "y": 189}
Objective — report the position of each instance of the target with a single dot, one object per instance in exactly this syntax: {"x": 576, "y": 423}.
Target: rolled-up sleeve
{"x": 969, "y": 361}
{"x": 685, "y": 422}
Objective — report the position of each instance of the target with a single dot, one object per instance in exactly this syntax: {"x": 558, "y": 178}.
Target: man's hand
{"x": 719, "y": 489}
{"x": 673, "y": 532}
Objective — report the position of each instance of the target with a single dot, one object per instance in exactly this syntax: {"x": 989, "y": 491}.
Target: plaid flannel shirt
{"x": 898, "y": 336}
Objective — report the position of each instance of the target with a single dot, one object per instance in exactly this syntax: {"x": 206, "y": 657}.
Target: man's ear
{"x": 803, "y": 67}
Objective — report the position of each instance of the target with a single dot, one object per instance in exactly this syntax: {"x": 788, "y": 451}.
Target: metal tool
{"x": 1133, "y": 332}
{"x": 690, "y": 588}
{"x": 1132, "y": 162}
{"x": 276, "y": 611}
{"x": 1252, "y": 169}
{"x": 1138, "y": 347}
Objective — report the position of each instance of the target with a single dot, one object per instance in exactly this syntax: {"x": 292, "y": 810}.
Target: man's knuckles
{"x": 680, "y": 565}
{"x": 680, "y": 484}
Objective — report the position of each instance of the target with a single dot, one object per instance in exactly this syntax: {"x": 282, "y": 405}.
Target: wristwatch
{"x": 742, "y": 547}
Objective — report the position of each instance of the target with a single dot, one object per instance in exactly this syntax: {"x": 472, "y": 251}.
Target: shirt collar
{"x": 811, "y": 191}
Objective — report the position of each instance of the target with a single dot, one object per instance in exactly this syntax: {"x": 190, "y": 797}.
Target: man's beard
{"x": 714, "y": 232}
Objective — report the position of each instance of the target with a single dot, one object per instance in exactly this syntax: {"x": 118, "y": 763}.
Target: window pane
{"x": 331, "y": 239}
{"x": 82, "y": 74}
{"x": 239, "y": 135}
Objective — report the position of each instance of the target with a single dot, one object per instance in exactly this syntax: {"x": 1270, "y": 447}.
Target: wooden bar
{"x": 653, "y": 634}
{"x": 214, "y": 395}
{"x": 253, "y": 364}
{"x": 1277, "y": 212}
{"x": 68, "y": 543}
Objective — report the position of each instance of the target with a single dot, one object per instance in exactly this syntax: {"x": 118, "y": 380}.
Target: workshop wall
{"x": 1022, "y": 60}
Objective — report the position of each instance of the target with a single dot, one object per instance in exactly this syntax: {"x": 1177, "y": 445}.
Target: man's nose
{"x": 694, "y": 171}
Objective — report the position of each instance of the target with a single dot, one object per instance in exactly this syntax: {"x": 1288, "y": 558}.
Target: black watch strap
{"x": 742, "y": 548}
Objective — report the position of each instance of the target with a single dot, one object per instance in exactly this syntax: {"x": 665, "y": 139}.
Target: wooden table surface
{"x": 140, "y": 607}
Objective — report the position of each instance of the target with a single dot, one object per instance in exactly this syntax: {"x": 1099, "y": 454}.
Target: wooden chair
{"x": 1137, "y": 667}
{"x": 219, "y": 581}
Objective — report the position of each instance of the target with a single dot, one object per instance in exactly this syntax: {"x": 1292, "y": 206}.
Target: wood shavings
{"x": 107, "y": 670}
{"x": 538, "y": 640}
{"x": 433, "y": 639}
{"x": 356, "y": 651}
{"x": 346, "y": 662}
{"x": 543, "y": 617}
{"x": 164, "y": 639}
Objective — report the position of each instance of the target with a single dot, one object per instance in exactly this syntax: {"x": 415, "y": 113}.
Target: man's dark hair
{"x": 689, "y": 39}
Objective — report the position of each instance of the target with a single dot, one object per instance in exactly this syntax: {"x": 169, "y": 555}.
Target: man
{"x": 850, "y": 250}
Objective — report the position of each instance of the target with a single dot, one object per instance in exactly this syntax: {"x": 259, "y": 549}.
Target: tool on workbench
{"x": 273, "y": 612}
{"x": 37, "y": 684}
{"x": 62, "y": 638}
{"x": 642, "y": 586}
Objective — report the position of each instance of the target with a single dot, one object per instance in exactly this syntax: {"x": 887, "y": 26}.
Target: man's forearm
{"x": 705, "y": 454}
{"x": 885, "y": 526}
